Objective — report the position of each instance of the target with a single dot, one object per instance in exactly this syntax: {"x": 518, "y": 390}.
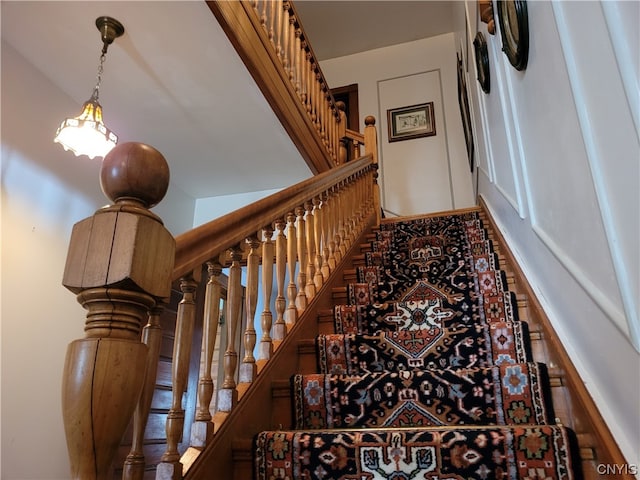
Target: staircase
{"x": 422, "y": 368}
{"x": 314, "y": 227}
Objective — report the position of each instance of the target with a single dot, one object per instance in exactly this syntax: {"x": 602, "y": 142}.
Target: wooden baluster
{"x": 118, "y": 264}
{"x": 318, "y": 278}
{"x": 134, "y": 465}
{"x": 298, "y": 55}
{"x": 362, "y": 201}
{"x": 278, "y": 28}
{"x": 301, "y": 299}
{"x": 371, "y": 146}
{"x": 248, "y": 368}
{"x": 350, "y": 210}
{"x": 292, "y": 48}
{"x": 263, "y": 16}
{"x": 280, "y": 327}
{"x": 307, "y": 82}
{"x": 334, "y": 134}
{"x": 326, "y": 212}
{"x": 202, "y": 428}
{"x": 292, "y": 313}
{"x": 170, "y": 466}
{"x": 285, "y": 35}
{"x": 310, "y": 288}
{"x": 228, "y": 393}
{"x": 303, "y": 73}
{"x": 355, "y": 185}
{"x": 329, "y": 123}
{"x": 323, "y": 110}
{"x": 318, "y": 102}
{"x": 341, "y": 242}
{"x": 354, "y": 207}
{"x": 272, "y": 20}
{"x": 327, "y": 129}
{"x": 266, "y": 319}
{"x": 331, "y": 230}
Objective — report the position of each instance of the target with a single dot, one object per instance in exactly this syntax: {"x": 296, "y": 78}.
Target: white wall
{"x": 45, "y": 190}
{"x": 210, "y": 208}
{"x": 436, "y": 168}
{"x": 559, "y": 169}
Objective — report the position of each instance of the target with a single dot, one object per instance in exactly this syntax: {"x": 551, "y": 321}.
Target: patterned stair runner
{"x": 466, "y": 347}
{"x": 531, "y": 452}
{"x": 429, "y": 373}
{"x": 511, "y": 394}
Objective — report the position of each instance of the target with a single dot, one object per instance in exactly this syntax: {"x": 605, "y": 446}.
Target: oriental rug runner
{"x": 511, "y": 394}
{"x": 429, "y": 374}
{"x": 476, "y": 346}
{"x": 496, "y": 453}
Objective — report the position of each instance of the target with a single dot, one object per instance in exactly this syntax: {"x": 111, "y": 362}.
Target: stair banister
{"x": 280, "y": 215}
{"x": 195, "y": 247}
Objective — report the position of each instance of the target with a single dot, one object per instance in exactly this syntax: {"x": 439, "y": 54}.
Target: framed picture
{"x": 465, "y": 113}
{"x": 482, "y": 62}
{"x": 514, "y": 30}
{"x": 414, "y": 121}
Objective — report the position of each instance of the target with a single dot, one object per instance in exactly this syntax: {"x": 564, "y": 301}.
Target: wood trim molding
{"x": 252, "y": 44}
{"x": 597, "y": 444}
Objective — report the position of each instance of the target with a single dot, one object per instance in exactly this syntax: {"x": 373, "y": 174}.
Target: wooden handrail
{"x": 196, "y": 246}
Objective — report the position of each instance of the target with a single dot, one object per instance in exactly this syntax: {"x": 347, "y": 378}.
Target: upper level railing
{"x": 269, "y": 37}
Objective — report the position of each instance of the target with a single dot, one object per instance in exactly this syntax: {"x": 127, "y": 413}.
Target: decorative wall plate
{"x": 482, "y": 62}
{"x": 514, "y": 29}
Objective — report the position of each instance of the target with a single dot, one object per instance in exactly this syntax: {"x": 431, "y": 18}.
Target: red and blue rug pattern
{"x": 475, "y": 346}
{"x": 504, "y": 395}
{"x": 491, "y": 453}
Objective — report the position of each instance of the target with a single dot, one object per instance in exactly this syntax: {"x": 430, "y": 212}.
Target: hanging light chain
{"x": 96, "y": 89}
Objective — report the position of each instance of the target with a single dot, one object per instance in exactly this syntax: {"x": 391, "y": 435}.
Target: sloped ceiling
{"x": 174, "y": 81}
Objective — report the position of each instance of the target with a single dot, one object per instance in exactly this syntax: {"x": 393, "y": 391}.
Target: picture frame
{"x": 465, "y": 112}
{"x": 482, "y": 62}
{"x": 514, "y": 30}
{"x": 413, "y": 121}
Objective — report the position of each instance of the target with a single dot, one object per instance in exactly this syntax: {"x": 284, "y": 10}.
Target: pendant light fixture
{"x": 86, "y": 134}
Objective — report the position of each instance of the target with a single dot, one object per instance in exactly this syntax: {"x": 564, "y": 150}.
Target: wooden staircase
{"x": 341, "y": 203}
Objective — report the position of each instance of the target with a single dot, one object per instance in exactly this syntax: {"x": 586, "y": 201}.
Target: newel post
{"x": 371, "y": 146}
{"x": 119, "y": 264}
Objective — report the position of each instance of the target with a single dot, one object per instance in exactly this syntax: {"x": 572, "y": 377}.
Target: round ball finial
{"x": 370, "y": 120}
{"x": 135, "y": 172}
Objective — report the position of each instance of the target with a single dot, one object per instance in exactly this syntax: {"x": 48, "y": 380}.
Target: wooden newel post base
{"x": 119, "y": 264}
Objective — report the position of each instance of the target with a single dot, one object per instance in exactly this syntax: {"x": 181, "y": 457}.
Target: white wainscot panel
{"x": 610, "y": 135}
{"x": 500, "y": 159}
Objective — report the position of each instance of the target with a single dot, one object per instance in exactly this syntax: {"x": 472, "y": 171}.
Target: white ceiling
{"x": 174, "y": 81}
